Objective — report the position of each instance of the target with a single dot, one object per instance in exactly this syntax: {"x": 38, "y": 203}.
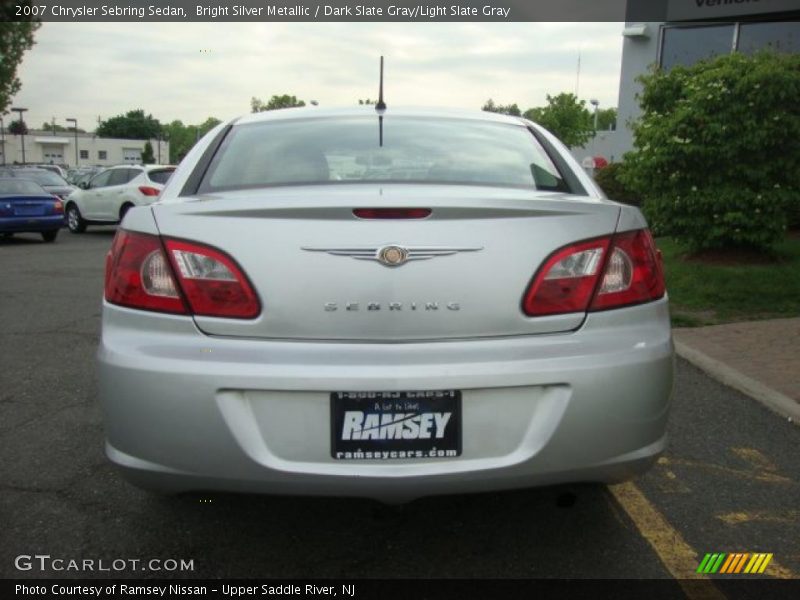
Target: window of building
{"x": 84, "y": 154}
{"x": 102, "y": 155}
{"x": 779, "y": 36}
{"x": 131, "y": 155}
{"x": 53, "y": 156}
{"x": 687, "y": 45}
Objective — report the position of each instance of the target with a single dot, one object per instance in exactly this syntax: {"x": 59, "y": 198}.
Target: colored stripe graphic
{"x": 727, "y": 564}
{"x": 755, "y": 562}
{"x": 764, "y": 564}
{"x": 740, "y": 564}
{"x": 734, "y": 563}
{"x": 711, "y": 563}
{"x": 705, "y": 561}
{"x": 717, "y": 563}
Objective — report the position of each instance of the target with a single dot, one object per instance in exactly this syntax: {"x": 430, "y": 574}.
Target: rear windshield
{"x": 424, "y": 150}
{"x": 21, "y": 186}
{"x": 161, "y": 176}
{"x": 42, "y": 177}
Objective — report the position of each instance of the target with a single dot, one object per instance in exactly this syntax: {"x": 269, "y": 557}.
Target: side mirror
{"x": 84, "y": 185}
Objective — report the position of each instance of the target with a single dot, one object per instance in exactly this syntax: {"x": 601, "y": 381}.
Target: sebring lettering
{"x": 394, "y": 426}
{"x": 391, "y": 306}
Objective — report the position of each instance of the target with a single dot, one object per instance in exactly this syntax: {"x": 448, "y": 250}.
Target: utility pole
{"x": 75, "y": 126}
{"x": 3, "y": 140}
{"x": 20, "y": 111}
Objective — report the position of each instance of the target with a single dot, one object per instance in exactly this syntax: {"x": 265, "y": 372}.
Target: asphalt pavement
{"x": 730, "y": 481}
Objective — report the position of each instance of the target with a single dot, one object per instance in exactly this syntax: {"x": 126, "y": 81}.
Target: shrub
{"x": 717, "y": 156}
{"x": 147, "y": 154}
{"x": 718, "y": 218}
{"x": 608, "y": 178}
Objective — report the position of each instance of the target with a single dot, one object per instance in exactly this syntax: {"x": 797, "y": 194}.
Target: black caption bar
{"x": 338, "y": 10}
{"x": 390, "y": 589}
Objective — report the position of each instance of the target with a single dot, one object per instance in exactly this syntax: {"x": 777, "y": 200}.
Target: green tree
{"x": 18, "y": 128}
{"x": 717, "y": 150}
{"x": 59, "y": 128}
{"x": 609, "y": 178}
{"x": 182, "y": 137}
{"x": 606, "y": 119}
{"x": 366, "y": 102}
{"x": 506, "y": 109}
{"x": 275, "y": 103}
{"x": 133, "y": 125}
{"x": 147, "y": 154}
{"x": 566, "y": 117}
{"x": 16, "y": 37}
{"x": 208, "y": 125}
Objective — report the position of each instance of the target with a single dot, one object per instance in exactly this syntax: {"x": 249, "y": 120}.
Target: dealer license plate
{"x": 395, "y": 425}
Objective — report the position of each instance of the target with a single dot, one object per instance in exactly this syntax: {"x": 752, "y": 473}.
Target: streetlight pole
{"x": 3, "y": 139}
{"x": 22, "y": 129}
{"x": 595, "y": 103}
{"x": 75, "y": 127}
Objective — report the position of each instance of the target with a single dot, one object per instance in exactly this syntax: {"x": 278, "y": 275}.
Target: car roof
{"x": 313, "y": 112}
{"x": 30, "y": 170}
{"x": 145, "y": 167}
{"x": 18, "y": 179}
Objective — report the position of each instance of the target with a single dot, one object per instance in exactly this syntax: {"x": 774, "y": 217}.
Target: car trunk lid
{"x": 313, "y": 263}
{"x": 27, "y": 206}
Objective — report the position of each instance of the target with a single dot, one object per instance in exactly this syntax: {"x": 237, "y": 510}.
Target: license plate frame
{"x": 407, "y": 425}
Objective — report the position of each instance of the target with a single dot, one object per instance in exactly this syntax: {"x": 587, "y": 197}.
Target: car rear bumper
{"x": 185, "y": 411}
{"x": 30, "y": 224}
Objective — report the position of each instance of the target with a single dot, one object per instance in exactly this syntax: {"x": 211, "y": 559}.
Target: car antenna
{"x": 380, "y": 107}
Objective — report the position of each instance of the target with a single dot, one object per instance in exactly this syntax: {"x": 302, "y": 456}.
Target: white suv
{"x": 106, "y": 198}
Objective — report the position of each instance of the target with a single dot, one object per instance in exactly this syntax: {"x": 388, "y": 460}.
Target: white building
{"x": 60, "y": 149}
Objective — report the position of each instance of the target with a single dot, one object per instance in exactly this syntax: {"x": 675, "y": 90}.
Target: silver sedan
{"x": 390, "y": 304}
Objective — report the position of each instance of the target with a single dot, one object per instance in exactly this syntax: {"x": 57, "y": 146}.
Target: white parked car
{"x": 106, "y": 198}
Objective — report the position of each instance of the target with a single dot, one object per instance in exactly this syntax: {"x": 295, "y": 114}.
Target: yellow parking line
{"x": 765, "y": 476}
{"x": 787, "y": 517}
{"x": 755, "y": 458}
{"x": 678, "y": 557}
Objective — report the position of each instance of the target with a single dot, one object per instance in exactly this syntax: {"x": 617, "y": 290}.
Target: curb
{"x": 774, "y": 400}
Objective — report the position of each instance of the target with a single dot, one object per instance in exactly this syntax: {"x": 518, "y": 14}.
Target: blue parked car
{"x": 26, "y": 207}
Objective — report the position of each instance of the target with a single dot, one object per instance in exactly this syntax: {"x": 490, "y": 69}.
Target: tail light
{"x": 633, "y": 272}
{"x": 58, "y": 206}
{"x": 599, "y": 274}
{"x": 149, "y": 190}
{"x": 177, "y": 277}
{"x": 392, "y": 213}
